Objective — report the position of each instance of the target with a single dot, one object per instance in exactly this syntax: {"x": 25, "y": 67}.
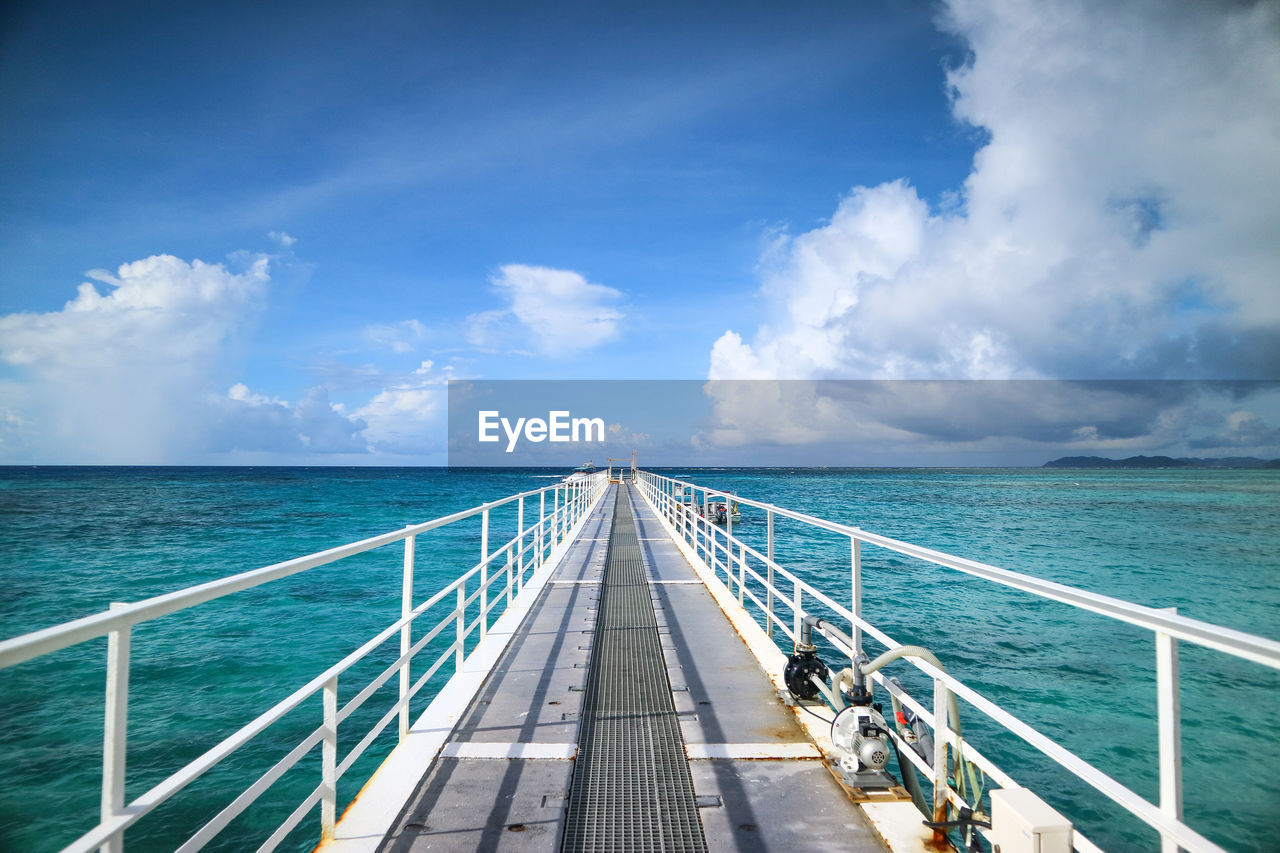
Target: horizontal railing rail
{"x": 757, "y": 577}
{"x": 521, "y": 556}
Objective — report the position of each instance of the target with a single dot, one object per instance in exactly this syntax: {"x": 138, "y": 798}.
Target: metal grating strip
{"x": 631, "y": 788}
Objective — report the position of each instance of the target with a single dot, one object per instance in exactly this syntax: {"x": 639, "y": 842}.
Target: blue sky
{"x": 299, "y": 220}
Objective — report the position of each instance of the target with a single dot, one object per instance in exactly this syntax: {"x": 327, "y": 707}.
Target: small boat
{"x": 722, "y": 512}
{"x": 582, "y": 472}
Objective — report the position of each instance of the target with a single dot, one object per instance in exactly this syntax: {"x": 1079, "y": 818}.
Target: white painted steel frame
{"x": 372, "y": 814}
{"x": 1168, "y": 627}
{"x": 117, "y": 623}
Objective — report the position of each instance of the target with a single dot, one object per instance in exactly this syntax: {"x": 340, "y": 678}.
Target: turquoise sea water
{"x": 73, "y": 540}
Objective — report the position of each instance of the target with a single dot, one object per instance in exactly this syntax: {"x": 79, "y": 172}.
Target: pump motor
{"x": 862, "y": 737}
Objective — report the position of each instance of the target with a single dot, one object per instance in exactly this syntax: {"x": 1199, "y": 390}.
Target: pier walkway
{"x": 505, "y": 777}
{"x": 609, "y": 678}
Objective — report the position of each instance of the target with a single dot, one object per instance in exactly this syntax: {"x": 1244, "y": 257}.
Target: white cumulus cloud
{"x": 136, "y": 370}
{"x": 554, "y": 312}
{"x": 408, "y": 415}
{"x": 119, "y": 375}
{"x": 1119, "y": 221}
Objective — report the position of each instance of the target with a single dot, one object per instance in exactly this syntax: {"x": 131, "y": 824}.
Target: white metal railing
{"x": 754, "y": 576}
{"x": 525, "y": 553}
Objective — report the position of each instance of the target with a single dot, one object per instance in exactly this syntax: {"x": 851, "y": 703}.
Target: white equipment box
{"x": 1021, "y": 822}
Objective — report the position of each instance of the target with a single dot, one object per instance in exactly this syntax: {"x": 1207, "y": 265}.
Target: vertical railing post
{"x": 484, "y": 598}
{"x": 712, "y": 533}
{"x": 715, "y": 551}
{"x": 520, "y": 540}
{"x": 688, "y": 515}
{"x": 695, "y": 525}
{"x": 742, "y": 572}
{"x": 695, "y": 522}
{"x": 406, "y": 634}
{"x": 329, "y": 761}
{"x": 941, "y": 731}
{"x": 115, "y": 730}
{"x": 728, "y": 541}
{"x": 855, "y": 565}
{"x": 462, "y": 627}
{"x": 708, "y": 552}
{"x": 555, "y": 520}
{"x": 510, "y": 580}
{"x": 682, "y": 511}
{"x": 677, "y": 512}
{"x": 1169, "y": 727}
{"x": 704, "y": 525}
{"x": 768, "y": 550}
{"x": 542, "y": 525}
{"x": 796, "y": 610}
{"x": 484, "y": 570}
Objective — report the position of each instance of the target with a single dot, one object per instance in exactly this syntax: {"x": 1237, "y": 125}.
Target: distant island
{"x": 1162, "y": 462}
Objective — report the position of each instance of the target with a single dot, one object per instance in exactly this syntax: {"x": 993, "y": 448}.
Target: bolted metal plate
{"x": 631, "y": 788}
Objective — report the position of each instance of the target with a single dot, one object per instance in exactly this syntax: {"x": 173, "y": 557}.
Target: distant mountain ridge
{"x": 1162, "y": 462}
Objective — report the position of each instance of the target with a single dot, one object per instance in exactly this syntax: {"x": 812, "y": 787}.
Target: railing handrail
{"x": 550, "y": 527}
{"x": 1229, "y": 640}
{"x": 667, "y": 496}
{"x": 1078, "y": 766}
{"x": 36, "y": 643}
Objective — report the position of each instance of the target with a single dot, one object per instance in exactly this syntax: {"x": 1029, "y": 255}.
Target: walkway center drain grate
{"x": 631, "y": 788}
